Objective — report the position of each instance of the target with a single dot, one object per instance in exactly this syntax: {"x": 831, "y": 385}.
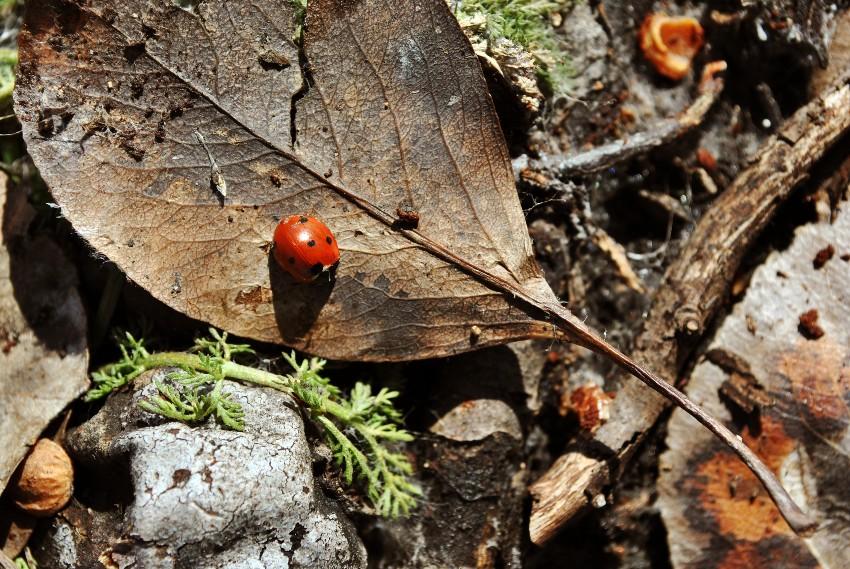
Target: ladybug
{"x": 304, "y": 247}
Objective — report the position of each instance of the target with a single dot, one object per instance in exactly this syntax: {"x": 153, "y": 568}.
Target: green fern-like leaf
{"x": 362, "y": 430}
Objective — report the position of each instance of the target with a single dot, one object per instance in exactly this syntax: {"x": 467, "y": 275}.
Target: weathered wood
{"x": 715, "y": 511}
{"x": 693, "y": 290}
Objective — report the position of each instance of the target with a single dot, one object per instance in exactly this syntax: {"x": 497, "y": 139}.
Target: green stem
{"x": 230, "y": 370}
{"x": 256, "y": 376}
{"x": 234, "y": 371}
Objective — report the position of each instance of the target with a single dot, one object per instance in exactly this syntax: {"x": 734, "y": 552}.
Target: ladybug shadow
{"x": 297, "y": 305}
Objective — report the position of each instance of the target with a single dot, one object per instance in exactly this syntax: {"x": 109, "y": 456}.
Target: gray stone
{"x": 207, "y": 497}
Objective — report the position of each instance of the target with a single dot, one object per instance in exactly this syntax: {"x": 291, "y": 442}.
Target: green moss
{"x": 8, "y": 61}
{"x": 300, "y": 7}
{"x": 526, "y": 23}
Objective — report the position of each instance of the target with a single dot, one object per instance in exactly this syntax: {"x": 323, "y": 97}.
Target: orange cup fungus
{"x": 670, "y": 44}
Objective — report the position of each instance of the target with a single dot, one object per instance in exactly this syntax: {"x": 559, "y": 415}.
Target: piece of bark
{"x": 694, "y": 288}
{"x": 203, "y": 496}
{"x": 43, "y": 351}
{"x": 716, "y": 513}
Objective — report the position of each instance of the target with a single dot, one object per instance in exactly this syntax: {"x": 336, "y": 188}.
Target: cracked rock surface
{"x": 204, "y": 497}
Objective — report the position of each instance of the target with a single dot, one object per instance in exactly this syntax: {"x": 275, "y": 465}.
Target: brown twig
{"x": 694, "y": 288}
{"x": 660, "y": 134}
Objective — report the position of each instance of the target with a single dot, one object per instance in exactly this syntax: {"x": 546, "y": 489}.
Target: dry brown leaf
{"x": 43, "y": 354}
{"x": 113, "y": 95}
{"x": 717, "y": 514}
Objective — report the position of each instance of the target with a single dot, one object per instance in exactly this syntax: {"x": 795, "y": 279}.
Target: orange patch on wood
{"x": 746, "y": 555}
{"x": 591, "y": 404}
{"x": 820, "y": 380}
{"x": 734, "y": 497}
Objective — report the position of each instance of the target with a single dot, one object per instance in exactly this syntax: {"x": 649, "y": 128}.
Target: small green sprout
{"x": 8, "y": 62}
{"x": 360, "y": 430}
{"x": 26, "y": 560}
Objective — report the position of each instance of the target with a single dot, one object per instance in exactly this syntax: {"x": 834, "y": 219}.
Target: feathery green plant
{"x": 360, "y": 429}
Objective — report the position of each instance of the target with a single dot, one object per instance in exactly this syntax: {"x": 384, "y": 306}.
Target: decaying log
{"x": 693, "y": 290}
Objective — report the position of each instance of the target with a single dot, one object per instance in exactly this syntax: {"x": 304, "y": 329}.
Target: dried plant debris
{"x": 823, "y": 256}
{"x": 716, "y": 514}
{"x": 809, "y": 326}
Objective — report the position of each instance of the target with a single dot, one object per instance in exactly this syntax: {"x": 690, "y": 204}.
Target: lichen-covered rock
{"x": 205, "y": 497}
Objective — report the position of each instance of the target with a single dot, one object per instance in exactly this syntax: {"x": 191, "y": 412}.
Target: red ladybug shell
{"x": 304, "y": 247}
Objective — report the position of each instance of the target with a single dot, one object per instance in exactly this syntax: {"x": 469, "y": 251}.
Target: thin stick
{"x": 659, "y": 134}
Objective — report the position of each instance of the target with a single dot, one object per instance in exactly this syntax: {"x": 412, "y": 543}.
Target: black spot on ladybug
{"x": 311, "y": 243}
{"x": 302, "y": 219}
{"x": 292, "y": 260}
{"x": 317, "y": 268}
{"x": 329, "y": 239}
